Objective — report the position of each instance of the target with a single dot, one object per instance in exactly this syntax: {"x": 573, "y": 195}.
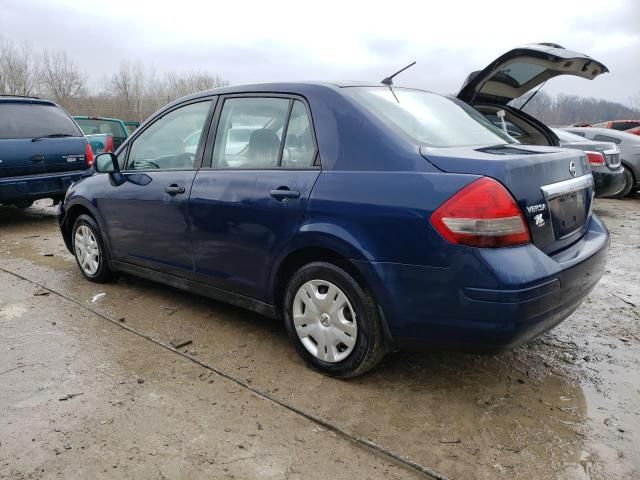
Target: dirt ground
{"x": 90, "y": 386}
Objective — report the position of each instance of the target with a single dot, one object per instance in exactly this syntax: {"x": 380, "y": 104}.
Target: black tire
{"x": 23, "y": 204}
{"x": 628, "y": 183}
{"x": 103, "y": 274}
{"x": 370, "y": 345}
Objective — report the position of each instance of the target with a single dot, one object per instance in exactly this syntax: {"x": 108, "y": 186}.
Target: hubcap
{"x": 325, "y": 321}
{"x": 87, "y": 251}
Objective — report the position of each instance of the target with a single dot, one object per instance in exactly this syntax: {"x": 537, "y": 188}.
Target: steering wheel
{"x": 143, "y": 164}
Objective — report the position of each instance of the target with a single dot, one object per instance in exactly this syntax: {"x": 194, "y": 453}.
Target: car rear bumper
{"x": 34, "y": 187}
{"x": 488, "y": 299}
{"x": 608, "y": 182}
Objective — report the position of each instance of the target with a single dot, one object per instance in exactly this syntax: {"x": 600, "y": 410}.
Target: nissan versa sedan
{"x": 368, "y": 217}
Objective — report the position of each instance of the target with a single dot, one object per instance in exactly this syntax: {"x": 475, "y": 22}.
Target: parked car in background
{"x": 100, "y": 143}
{"x": 518, "y": 72}
{"x": 603, "y": 158}
{"x": 131, "y": 126}
{"x": 633, "y": 131}
{"x": 627, "y": 143}
{"x": 42, "y": 151}
{"x": 621, "y": 125}
{"x": 369, "y": 218}
{"x": 101, "y": 125}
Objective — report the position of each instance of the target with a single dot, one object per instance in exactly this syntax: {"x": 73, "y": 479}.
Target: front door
{"x": 147, "y": 212}
{"x": 250, "y": 203}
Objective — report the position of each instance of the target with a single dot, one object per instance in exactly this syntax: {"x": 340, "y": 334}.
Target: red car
{"x": 635, "y": 130}
{"x": 622, "y": 125}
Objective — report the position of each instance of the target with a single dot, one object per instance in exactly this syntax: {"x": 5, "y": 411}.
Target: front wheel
{"x": 89, "y": 250}
{"x": 332, "y": 321}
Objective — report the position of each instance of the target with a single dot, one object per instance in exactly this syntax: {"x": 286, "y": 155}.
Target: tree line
{"x": 566, "y": 109}
{"x": 134, "y": 92}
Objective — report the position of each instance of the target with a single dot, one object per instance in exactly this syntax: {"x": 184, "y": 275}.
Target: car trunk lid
{"x": 522, "y": 69}
{"x": 553, "y": 187}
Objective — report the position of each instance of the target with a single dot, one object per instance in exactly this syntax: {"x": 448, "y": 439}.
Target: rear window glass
{"x": 428, "y": 118}
{"x": 92, "y": 126}
{"x": 28, "y": 120}
{"x": 606, "y": 138}
{"x": 517, "y": 74}
{"x": 566, "y": 136}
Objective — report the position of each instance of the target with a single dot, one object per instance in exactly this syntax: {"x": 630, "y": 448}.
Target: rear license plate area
{"x": 568, "y": 213}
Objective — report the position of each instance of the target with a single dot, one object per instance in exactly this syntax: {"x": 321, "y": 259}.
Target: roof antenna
{"x": 389, "y": 80}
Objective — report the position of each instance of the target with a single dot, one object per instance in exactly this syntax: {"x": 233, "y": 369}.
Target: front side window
{"x": 172, "y": 141}
{"x": 428, "y": 118}
{"x": 33, "y": 120}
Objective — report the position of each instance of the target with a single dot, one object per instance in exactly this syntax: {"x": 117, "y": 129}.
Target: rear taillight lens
{"x": 482, "y": 214}
{"x": 596, "y": 159}
{"x": 108, "y": 144}
{"x": 88, "y": 155}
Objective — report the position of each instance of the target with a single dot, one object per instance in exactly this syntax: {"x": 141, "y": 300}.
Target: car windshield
{"x": 92, "y": 126}
{"x": 29, "y": 120}
{"x": 429, "y": 118}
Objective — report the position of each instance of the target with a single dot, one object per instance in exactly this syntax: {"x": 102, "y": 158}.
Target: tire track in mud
{"x": 356, "y": 439}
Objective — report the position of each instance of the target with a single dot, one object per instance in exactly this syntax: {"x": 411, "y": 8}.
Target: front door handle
{"x": 174, "y": 189}
{"x": 283, "y": 193}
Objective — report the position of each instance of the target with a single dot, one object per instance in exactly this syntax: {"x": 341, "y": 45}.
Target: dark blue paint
{"x": 45, "y": 168}
{"x": 369, "y": 205}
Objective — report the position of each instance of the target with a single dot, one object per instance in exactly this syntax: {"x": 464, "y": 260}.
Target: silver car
{"x": 629, "y": 146}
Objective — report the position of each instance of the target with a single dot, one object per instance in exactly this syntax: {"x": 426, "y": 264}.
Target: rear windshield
{"x": 92, "y": 126}
{"x": 430, "y": 119}
{"x": 28, "y": 120}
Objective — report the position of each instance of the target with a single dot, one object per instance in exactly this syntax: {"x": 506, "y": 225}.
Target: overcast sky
{"x": 253, "y": 41}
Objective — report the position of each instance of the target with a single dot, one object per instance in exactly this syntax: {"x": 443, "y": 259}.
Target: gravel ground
{"x": 237, "y": 402}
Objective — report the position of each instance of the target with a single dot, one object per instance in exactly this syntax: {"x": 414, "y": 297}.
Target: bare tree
{"x": 60, "y": 78}
{"x": 634, "y": 102}
{"x": 128, "y": 88}
{"x": 18, "y": 69}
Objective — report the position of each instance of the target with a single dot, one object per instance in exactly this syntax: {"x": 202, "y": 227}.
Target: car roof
{"x": 25, "y": 99}
{"x": 622, "y": 135}
{"x": 88, "y": 117}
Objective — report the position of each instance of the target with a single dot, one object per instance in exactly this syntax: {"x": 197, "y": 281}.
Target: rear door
{"x": 147, "y": 211}
{"x": 38, "y": 137}
{"x": 249, "y": 201}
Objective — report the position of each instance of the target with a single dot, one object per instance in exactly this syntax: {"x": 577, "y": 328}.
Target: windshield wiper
{"x": 52, "y": 135}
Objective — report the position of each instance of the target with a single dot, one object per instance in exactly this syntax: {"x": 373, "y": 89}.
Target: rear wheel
{"x": 332, "y": 321}
{"x": 628, "y": 183}
{"x": 89, "y": 250}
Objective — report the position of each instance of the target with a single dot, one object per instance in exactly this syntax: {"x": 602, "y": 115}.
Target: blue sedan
{"x": 368, "y": 217}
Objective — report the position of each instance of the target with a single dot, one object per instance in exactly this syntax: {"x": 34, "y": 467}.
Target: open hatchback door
{"x": 514, "y": 74}
{"x": 524, "y": 68}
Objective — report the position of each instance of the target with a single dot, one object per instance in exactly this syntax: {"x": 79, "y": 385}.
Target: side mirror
{"x": 106, "y": 163}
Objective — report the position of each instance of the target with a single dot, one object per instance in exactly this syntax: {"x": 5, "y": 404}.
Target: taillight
{"x": 596, "y": 159}
{"x": 108, "y": 144}
{"x": 88, "y": 155}
{"x": 482, "y": 214}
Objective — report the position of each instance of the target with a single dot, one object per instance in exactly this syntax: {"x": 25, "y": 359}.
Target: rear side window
{"x": 95, "y": 126}
{"x": 606, "y": 138}
{"x": 428, "y": 118}
{"x": 625, "y": 125}
{"x": 261, "y": 133}
{"x": 28, "y": 120}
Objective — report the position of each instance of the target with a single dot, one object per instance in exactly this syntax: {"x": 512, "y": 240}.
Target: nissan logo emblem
{"x": 572, "y": 169}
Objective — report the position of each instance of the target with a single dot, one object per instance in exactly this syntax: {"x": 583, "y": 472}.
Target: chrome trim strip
{"x": 558, "y": 189}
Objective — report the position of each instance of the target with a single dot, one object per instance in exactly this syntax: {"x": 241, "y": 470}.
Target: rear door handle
{"x": 174, "y": 189}
{"x": 283, "y": 193}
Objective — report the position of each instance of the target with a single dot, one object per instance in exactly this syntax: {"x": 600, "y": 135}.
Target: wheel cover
{"x": 87, "y": 251}
{"x": 325, "y": 321}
